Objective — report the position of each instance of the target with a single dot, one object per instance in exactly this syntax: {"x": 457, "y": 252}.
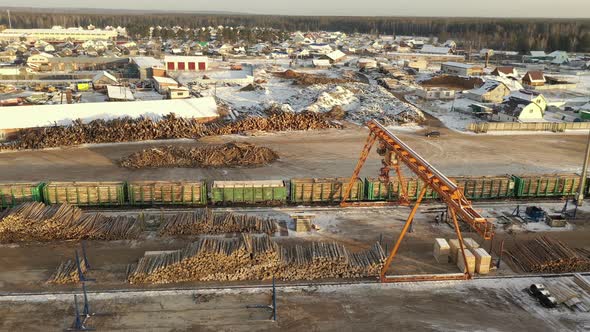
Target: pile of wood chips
{"x": 224, "y": 155}
{"x": 255, "y": 258}
{"x": 547, "y": 255}
{"x": 34, "y": 221}
{"x": 203, "y": 221}
{"x": 169, "y": 127}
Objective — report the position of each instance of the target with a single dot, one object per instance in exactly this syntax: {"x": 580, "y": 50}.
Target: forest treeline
{"x": 502, "y": 34}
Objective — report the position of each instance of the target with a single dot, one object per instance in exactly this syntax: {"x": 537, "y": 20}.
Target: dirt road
{"x": 491, "y": 305}
{"x": 330, "y": 153}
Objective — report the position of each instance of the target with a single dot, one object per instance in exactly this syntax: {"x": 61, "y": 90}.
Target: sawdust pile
{"x": 224, "y": 155}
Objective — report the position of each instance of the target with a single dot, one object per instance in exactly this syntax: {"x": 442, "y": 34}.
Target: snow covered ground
{"x": 362, "y": 101}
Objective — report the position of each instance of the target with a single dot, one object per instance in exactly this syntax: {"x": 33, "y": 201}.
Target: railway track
{"x": 279, "y": 284}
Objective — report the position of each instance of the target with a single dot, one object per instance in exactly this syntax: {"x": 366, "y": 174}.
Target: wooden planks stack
{"x": 324, "y": 190}
{"x": 470, "y": 265}
{"x": 483, "y": 260}
{"x": 231, "y": 154}
{"x": 581, "y": 281}
{"x": 256, "y": 258}
{"x": 546, "y": 255}
{"x": 485, "y": 186}
{"x": 454, "y": 249}
{"x": 67, "y": 272}
{"x": 84, "y": 193}
{"x": 204, "y": 221}
{"x": 165, "y": 192}
{"x": 442, "y": 250}
{"x": 34, "y": 221}
{"x": 470, "y": 243}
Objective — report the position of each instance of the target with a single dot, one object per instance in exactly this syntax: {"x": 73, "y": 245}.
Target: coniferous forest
{"x": 522, "y": 35}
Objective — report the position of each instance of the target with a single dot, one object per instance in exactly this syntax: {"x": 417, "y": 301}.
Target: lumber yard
{"x": 409, "y": 223}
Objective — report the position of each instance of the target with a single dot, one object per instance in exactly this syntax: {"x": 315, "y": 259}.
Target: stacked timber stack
{"x": 67, "y": 272}
{"x": 455, "y": 249}
{"x": 164, "y": 192}
{"x": 324, "y": 190}
{"x": 34, "y": 221}
{"x": 255, "y": 258}
{"x": 442, "y": 250}
{"x": 204, "y": 221}
{"x": 84, "y": 193}
{"x": 223, "y": 155}
{"x": 483, "y": 261}
{"x": 470, "y": 265}
{"x": 170, "y": 126}
{"x": 470, "y": 243}
{"x": 485, "y": 186}
{"x": 547, "y": 255}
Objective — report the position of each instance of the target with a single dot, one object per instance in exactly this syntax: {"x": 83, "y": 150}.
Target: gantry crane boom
{"x": 448, "y": 192}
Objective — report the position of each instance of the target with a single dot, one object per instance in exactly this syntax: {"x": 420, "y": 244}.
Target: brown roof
{"x": 504, "y": 70}
{"x": 535, "y": 76}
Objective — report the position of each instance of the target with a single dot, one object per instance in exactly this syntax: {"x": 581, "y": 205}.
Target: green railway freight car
{"x": 85, "y": 193}
{"x": 485, "y": 187}
{"x": 549, "y": 185}
{"x": 326, "y": 190}
{"x": 12, "y": 194}
{"x": 378, "y": 190}
{"x": 475, "y": 187}
{"x": 248, "y": 192}
{"x": 166, "y": 192}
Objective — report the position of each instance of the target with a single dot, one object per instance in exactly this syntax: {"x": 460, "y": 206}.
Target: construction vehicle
{"x": 396, "y": 152}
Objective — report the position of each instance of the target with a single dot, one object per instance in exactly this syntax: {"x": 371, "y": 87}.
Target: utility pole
{"x": 9, "y": 21}
{"x": 580, "y": 198}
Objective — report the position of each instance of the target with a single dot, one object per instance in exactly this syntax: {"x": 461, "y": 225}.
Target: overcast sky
{"x": 477, "y": 8}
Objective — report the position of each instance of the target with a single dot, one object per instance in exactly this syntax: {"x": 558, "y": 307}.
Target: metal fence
{"x": 556, "y": 127}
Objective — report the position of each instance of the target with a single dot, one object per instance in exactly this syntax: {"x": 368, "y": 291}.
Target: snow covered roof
{"x": 104, "y": 74}
{"x": 321, "y": 62}
{"x": 64, "y": 114}
{"x": 524, "y": 95}
{"x": 459, "y": 65}
{"x": 119, "y": 92}
{"x": 538, "y": 53}
{"x": 164, "y": 80}
{"x": 146, "y": 61}
{"x": 435, "y": 49}
{"x": 180, "y": 58}
{"x": 486, "y": 87}
{"x": 336, "y": 55}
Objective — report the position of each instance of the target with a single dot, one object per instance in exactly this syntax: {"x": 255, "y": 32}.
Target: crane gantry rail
{"x": 396, "y": 152}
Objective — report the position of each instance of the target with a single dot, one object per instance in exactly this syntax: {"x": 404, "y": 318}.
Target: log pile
{"x": 255, "y": 258}
{"x": 67, "y": 272}
{"x": 547, "y": 255}
{"x": 224, "y": 155}
{"x": 142, "y": 129}
{"x": 34, "y": 221}
{"x": 204, "y": 221}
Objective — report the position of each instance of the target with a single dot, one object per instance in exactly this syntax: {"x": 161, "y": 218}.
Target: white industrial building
{"x": 185, "y": 63}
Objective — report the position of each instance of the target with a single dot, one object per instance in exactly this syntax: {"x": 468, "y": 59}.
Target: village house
{"x": 461, "y": 69}
{"x": 162, "y": 84}
{"x": 436, "y": 94}
{"x": 178, "y": 93}
{"x": 533, "y": 78}
{"x": 521, "y": 106}
{"x": 321, "y": 63}
{"x": 489, "y": 92}
{"x": 102, "y": 79}
{"x": 334, "y": 56}
{"x": 505, "y": 71}
{"x": 431, "y": 49}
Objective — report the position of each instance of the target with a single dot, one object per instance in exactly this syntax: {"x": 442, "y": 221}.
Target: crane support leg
{"x": 402, "y": 234}
{"x": 364, "y": 154}
{"x": 461, "y": 244}
{"x": 403, "y": 195}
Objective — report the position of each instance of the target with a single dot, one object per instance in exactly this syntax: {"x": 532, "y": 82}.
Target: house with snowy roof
{"x": 490, "y": 92}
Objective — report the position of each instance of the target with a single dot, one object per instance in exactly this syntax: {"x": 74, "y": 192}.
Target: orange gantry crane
{"x": 395, "y": 152}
